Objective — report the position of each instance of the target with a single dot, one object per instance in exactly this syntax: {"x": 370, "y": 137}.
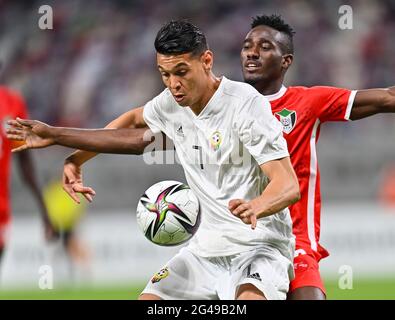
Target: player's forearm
{"x": 129, "y": 119}
{"x": 278, "y": 195}
{"x": 79, "y": 157}
{"x": 384, "y": 100}
{"x": 122, "y": 141}
{"x": 373, "y": 101}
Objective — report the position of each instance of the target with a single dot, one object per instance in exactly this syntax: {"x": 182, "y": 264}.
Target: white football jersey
{"x": 221, "y": 150}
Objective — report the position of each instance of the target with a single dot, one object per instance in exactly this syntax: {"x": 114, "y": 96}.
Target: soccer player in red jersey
{"x": 266, "y": 55}
{"x": 11, "y": 106}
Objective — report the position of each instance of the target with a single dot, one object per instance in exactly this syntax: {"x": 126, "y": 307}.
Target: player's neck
{"x": 268, "y": 88}
{"x": 212, "y": 86}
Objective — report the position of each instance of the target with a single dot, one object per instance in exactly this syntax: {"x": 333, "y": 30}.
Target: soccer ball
{"x": 168, "y": 213}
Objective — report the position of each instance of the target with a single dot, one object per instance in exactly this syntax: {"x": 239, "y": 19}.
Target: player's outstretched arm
{"x": 37, "y": 134}
{"x": 281, "y": 192}
{"x": 72, "y": 171}
{"x": 373, "y": 101}
{"x": 130, "y": 119}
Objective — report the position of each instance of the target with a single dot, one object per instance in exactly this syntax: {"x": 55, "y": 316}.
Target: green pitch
{"x": 362, "y": 289}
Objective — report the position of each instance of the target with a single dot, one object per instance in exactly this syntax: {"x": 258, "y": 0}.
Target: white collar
{"x": 278, "y": 94}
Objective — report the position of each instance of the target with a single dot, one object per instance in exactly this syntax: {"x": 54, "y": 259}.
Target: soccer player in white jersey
{"x": 235, "y": 160}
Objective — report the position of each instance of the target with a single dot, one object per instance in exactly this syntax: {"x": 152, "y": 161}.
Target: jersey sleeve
{"x": 260, "y": 132}
{"x": 333, "y": 104}
{"x": 153, "y": 114}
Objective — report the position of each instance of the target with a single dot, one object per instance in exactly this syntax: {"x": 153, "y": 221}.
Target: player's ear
{"x": 207, "y": 59}
{"x": 287, "y": 60}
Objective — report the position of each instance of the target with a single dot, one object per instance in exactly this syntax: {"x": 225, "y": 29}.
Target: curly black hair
{"x": 277, "y": 23}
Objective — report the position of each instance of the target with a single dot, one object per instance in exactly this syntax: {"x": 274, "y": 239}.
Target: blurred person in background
{"x": 12, "y": 105}
{"x": 69, "y": 255}
{"x": 266, "y": 56}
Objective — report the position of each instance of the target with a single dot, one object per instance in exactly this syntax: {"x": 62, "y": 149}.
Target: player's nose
{"x": 252, "y": 53}
{"x": 174, "y": 84}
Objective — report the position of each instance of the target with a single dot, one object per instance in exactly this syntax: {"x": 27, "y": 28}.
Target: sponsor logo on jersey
{"x": 216, "y": 140}
{"x": 179, "y": 131}
{"x": 287, "y": 119}
{"x": 255, "y": 275}
{"x": 301, "y": 266}
{"x": 163, "y": 273}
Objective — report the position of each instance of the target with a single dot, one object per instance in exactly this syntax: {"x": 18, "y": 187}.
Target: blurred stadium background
{"x": 98, "y": 62}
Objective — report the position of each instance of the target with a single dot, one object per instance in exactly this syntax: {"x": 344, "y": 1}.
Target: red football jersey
{"x": 302, "y": 110}
{"x": 11, "y": 106}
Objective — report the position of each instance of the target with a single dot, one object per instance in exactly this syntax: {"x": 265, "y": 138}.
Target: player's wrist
{"x": 258, "y": 207}
{"x": 53, "y": 134}
{"x": 78, "y": 158}
{"x": 74, "y": 159}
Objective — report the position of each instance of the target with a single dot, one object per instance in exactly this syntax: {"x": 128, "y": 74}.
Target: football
{"x": 168, "y": 213}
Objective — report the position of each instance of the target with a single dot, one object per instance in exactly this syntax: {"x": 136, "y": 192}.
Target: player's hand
{"x": 72, "y": 182}
{"x": 34, "y": 133}
{"x": 243, "y": 210}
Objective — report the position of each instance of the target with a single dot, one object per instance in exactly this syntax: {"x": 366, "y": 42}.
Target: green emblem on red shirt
{"x": 287, "y": 119}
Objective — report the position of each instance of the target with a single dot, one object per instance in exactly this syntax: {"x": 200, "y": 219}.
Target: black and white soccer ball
{"x": 168, "y": 213}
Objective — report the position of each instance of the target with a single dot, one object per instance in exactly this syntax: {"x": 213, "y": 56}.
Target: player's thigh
{"x": 4, "y": 234}
{"x": 249, "y": 292}
{"x": 307, "y": 284}
{"x": 149, "y": 296}
{"x": 185, "y": 276}
{"x": 306, "y": 293}
{"x": 262, "y": 275}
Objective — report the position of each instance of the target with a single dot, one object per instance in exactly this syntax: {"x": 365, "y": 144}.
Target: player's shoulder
{"x": 314, "y": 90}
{"x": 239, "y": 90}
{"x": 9, "y": 92}
{"x": 13, "y": 99}
{"x": 5, "y": 92}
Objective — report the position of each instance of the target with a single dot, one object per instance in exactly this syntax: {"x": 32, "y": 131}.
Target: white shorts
{"x": 188, "y": 276}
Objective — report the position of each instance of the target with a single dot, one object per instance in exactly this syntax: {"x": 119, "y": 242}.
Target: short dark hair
{"x": 179, "y": 37}
{"x": 276, "y": 22}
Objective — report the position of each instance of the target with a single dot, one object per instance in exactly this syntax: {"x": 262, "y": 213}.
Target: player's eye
{"x": 266, "y": 46}
{"x": 181, "y": 72}
{"x": 164, "y": 74}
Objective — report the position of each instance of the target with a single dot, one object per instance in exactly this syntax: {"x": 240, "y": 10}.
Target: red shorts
{"x": 307, "y": 272}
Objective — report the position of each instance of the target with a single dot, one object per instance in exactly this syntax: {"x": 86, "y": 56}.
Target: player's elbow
{"x": 294, "y": 192}
{"x": 296, "y": 195}
{"x": 389, "y": 101}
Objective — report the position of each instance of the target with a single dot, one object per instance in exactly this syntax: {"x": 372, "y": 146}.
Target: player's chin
{"x": 184, "y": 102}
{"x": 252, "y": 78}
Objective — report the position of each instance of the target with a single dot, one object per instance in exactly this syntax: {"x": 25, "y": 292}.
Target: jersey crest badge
{"x": 163, "y": 273}
{"x": 287, "y": 119}
{"x": 216, "y": 140}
